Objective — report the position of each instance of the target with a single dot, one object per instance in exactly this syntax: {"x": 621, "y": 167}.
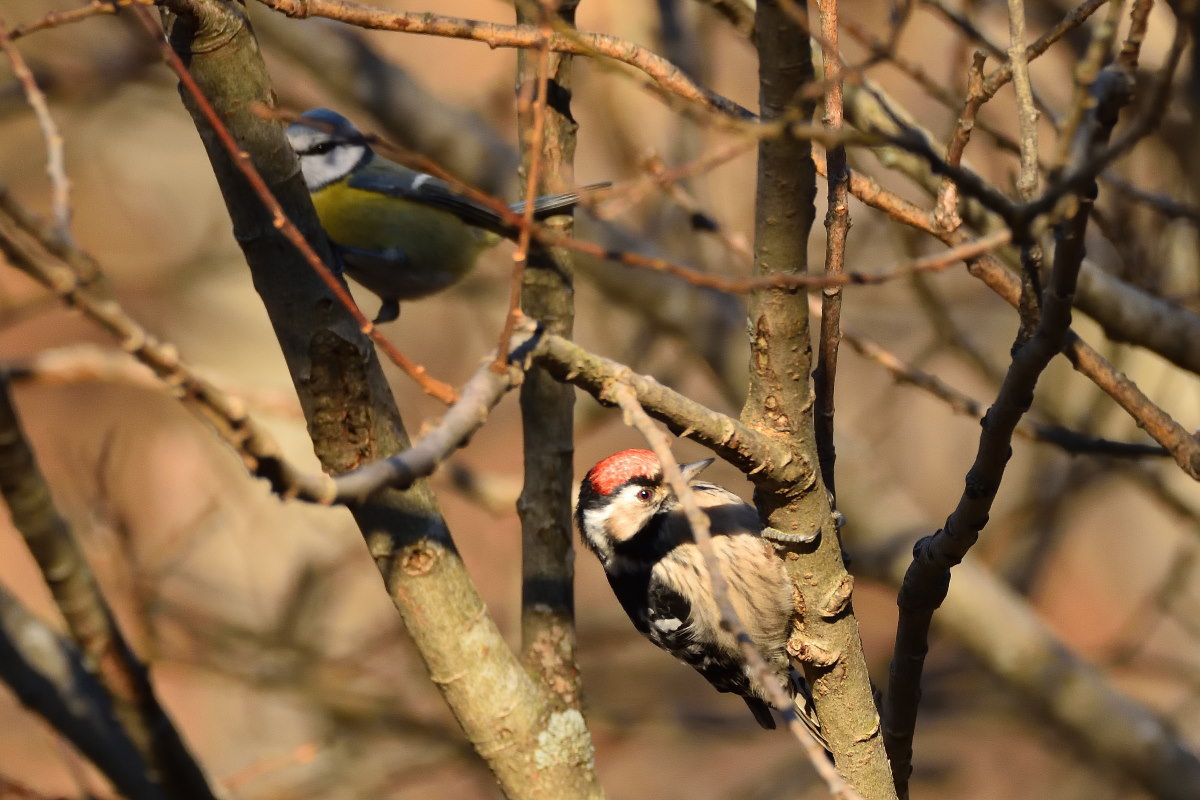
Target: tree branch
{"x": 169, "y": 765}
{"x": 548, "y": 130}
{"x": 50, "y": 678}
{"x": 780, "y": 406}
{"x": 928, "y": 578}
{"x": 533, "y": 751}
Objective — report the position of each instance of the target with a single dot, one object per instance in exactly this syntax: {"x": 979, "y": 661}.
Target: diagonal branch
{"x": 168, "y": 763}
{"x": 928, "y": 577}
{"x": 1183, "y": 446}
{"x": 665, "y": 75}
{"x": 52, "y": 679}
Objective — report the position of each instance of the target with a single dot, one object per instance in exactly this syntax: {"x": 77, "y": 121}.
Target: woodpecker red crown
{"x": 618, "y": 468}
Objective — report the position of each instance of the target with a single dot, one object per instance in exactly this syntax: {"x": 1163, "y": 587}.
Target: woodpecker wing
{"x": 664, "y": 616}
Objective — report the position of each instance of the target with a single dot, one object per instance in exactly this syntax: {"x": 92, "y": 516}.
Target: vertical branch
{"x": 547, "y": 406}
{"x": 1085, "y": 72}
{"x": 826, "y": 640}
{"x": 531, "y": 108}
{"x": 168, "y": 762}
{"x": 837, "y": 227}
{"x": 534, "y": 752}
{"x": 1027, "y": 179}
{"x": 1027, "y": 114}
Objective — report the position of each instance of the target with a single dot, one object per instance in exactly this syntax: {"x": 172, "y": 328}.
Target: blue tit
{"x": 398, "y": 232}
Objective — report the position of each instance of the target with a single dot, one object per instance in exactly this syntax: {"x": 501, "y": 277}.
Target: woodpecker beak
{"x": 690, "y": 471}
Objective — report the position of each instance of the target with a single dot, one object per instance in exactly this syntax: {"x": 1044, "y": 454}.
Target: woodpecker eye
{"x": 644, "y": 495}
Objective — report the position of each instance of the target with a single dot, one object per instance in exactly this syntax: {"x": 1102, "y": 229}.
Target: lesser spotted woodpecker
{"x": 629, "y": 517}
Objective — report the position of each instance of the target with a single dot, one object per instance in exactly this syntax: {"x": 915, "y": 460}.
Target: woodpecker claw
{"x": 776, "y": 535}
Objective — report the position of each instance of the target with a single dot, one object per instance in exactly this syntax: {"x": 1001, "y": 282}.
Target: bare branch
{"x": 49, "y": 676}
{"x": 55, "y": 163}
{"x": 258, "y": 449}
{"x": 665, "y": 75}
{"x": 928, "y": 578}
{"x": 478, "y": 397}
{"x": 546, "y": 294}
{"x": 242, "y": 161}
{"x": 1179, "y": 442}
{"x": 779, "y": 404}
{"x": 169, "y": 765}
{"x": 837, "y": 227}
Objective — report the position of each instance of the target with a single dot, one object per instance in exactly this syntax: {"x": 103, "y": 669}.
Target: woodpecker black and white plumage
{"x": 629, "y": 517}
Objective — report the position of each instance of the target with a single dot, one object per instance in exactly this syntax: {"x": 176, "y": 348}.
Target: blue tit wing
{"x": 388, "y": 178}
{"x": 391, "y": 179}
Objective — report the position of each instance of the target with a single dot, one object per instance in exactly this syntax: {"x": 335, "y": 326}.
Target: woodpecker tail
{"x": 803, "y": 703}
{"x": 550, "y": 204}
{"x": 804, "y": 709}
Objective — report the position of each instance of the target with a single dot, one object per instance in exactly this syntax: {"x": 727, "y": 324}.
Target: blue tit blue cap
{"x": 330, "y": 122}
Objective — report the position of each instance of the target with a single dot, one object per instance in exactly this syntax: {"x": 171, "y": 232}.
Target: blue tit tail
{"x": 550, "y": 205}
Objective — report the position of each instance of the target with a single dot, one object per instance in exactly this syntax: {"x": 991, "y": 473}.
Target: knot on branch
{"x": 812, "y": 653}
{"x": 837, "y": 600}
{"x": 418, "y": 560}
{"x": 197, "y": 28}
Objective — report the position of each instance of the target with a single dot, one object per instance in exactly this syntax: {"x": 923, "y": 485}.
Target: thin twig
{"x": 55, "y": 163}
{"x": 1067, "y": 440}
{"x": 1073, "y": 19}
{"x": 258, "y": 449}
{"x": 55, "y": 19}
{"x": 1027, "y": 114}
{"x": 665, "y": 75}
{"x": 837, "y": 227}
{"x": 946, "y": 206}
{"x": 1085, "y": 73}
{"x": 1131, "y": 48}
{"x": 937, "y": 262}
{"x": 1179, "y": 442}
{"x": 521, "y": 254}
{"x": 1027, "y": 178}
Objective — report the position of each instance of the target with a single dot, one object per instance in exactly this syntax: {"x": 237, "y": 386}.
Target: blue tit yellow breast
{"x": 397, "y": 248}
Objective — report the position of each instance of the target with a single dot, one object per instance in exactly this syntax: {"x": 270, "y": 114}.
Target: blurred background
{"x": 265, "y": 623}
